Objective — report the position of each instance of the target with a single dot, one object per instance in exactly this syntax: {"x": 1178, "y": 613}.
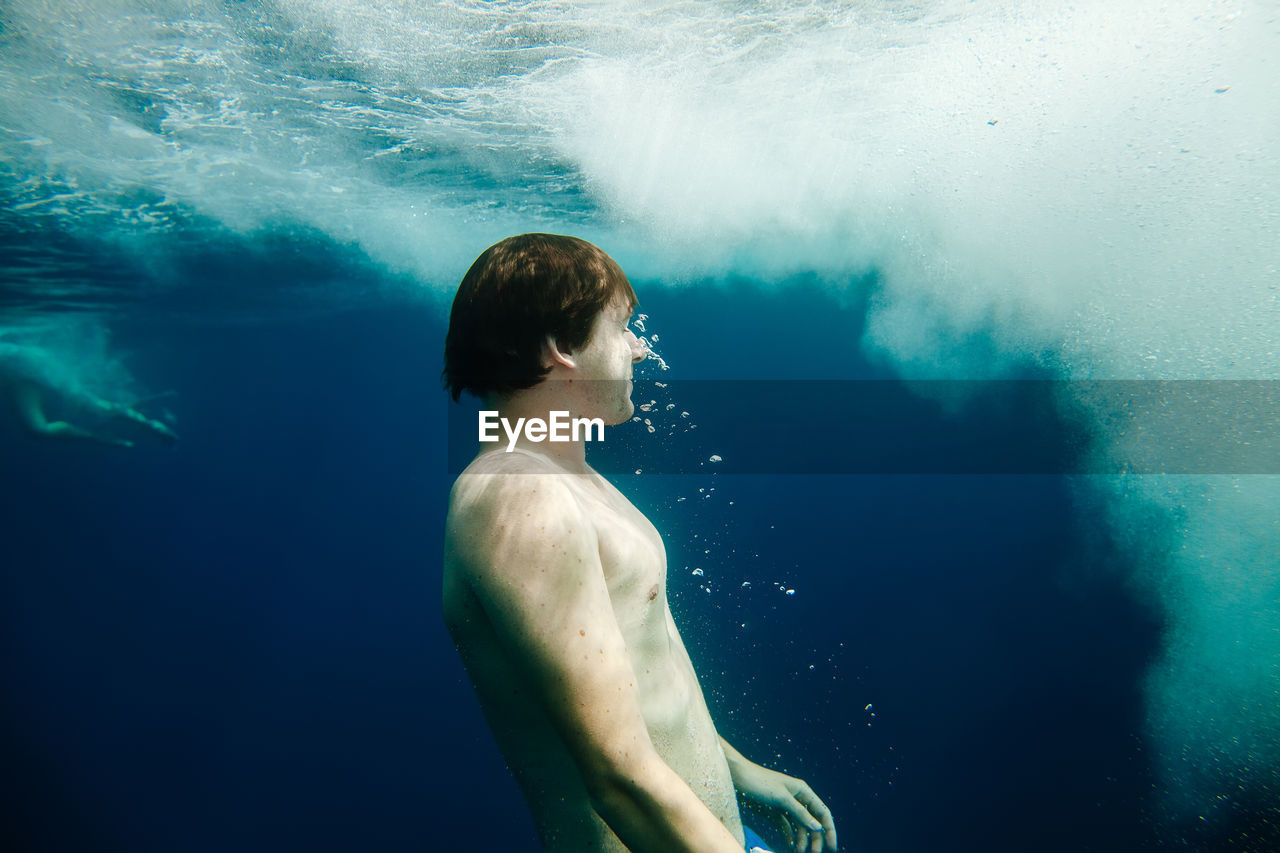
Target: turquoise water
{"x": 266, "y": 206}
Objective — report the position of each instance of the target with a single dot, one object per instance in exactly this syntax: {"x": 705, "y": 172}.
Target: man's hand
{"x": 801, "y": 815}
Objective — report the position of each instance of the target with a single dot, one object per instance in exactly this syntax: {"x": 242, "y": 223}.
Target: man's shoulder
{"x": 493, "y": 480}
{"x": 517, "y": 461}
{"x": 519, "y": 494}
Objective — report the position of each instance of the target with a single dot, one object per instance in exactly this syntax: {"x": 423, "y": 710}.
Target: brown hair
{"x": 519, "y": 291}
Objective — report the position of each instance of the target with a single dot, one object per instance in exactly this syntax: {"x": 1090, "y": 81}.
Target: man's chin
{"x": 623, "y": 416}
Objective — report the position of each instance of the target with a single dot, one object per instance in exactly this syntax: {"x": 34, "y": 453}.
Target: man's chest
{"x": 634, "y": 563}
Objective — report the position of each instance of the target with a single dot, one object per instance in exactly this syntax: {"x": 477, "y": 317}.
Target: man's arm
{"x": 808, "y": 822}
{"x": 530, "y": 555}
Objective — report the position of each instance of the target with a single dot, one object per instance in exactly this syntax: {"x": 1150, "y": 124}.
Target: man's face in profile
{"x": 604, "y": 364}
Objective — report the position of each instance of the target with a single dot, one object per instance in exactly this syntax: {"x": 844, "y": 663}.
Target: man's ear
{"x": 554, "y": 355}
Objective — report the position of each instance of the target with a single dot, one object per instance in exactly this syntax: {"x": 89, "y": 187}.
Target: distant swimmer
{"x": 32, "y": 380}
{"x": 555, "y": 585}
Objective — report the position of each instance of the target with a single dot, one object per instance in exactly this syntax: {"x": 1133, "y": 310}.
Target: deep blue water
{"x": 237, "y": 643}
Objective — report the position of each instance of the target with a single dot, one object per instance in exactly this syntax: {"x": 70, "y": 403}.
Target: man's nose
{"x": 639, "y": 348}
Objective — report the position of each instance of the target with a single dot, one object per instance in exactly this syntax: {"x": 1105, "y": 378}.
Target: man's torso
{"x": 633, "y": 560}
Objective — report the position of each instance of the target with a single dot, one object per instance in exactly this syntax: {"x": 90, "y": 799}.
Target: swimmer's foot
{"x": 154, "y": 398}
{"x": 130, "y": 413}
{"x": 160, "y": 428}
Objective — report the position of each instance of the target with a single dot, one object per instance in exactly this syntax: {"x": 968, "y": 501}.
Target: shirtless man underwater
{"x": 555, "y": 585}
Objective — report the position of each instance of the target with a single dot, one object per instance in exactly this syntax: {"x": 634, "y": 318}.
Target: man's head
{"x": 520, "y": 295}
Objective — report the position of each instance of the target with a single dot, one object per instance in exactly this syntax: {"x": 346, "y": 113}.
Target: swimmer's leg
{"x": 28, "y": 404}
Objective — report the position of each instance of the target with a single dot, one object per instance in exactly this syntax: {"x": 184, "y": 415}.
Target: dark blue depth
{"x": 237, "y": 644}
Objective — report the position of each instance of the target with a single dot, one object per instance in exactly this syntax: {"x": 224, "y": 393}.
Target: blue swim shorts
{"x": 754, "y": 840}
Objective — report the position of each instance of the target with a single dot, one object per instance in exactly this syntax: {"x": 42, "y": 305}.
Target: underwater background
{"x": 265, "y": 207}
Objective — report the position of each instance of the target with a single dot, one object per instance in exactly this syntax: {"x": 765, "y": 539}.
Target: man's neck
{"x": 529, "y": 404}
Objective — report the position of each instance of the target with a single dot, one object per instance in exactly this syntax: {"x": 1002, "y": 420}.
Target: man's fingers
{"x": 806, "y": 821}
{"x": 788, "y": 829}
{"x": 807, "y": 841}
{"x": 803, "y": 816}
{"x": 814, "y": 805}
